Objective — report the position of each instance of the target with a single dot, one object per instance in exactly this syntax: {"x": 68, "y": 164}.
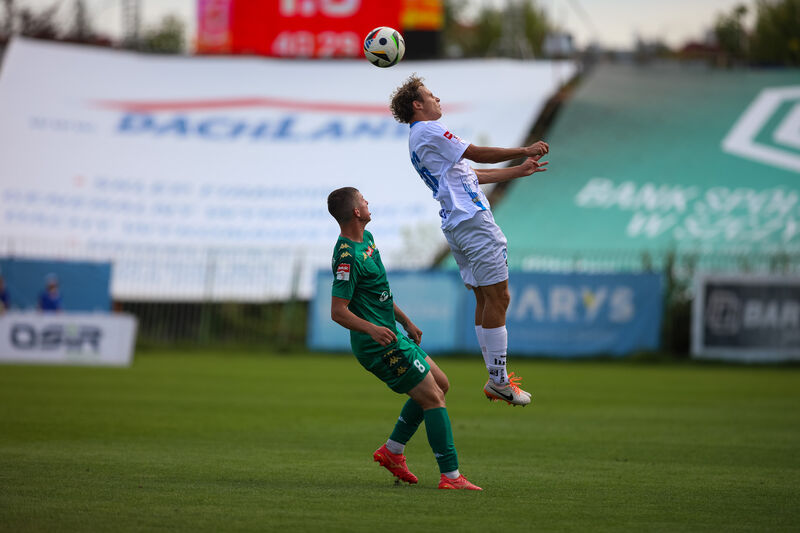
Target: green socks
{"x": 437, "y": 425}
{"x": 440, "y": 437}
{"x": 410, "y": 418}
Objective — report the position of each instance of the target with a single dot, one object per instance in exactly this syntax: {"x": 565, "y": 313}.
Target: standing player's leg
{"x": 390, "y": 455}
{"x": 430, "y": 397}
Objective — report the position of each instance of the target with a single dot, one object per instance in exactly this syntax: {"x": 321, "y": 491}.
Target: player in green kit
{"x": 362, "y": 302}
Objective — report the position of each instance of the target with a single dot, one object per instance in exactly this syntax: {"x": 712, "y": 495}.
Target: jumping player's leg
{"x": 480, "y": 302}
{"x": 492, "y": 319}
{"x": 501, "y": 385}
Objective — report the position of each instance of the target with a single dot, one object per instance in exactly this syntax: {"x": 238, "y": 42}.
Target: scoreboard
{"x": 297, "y": 28}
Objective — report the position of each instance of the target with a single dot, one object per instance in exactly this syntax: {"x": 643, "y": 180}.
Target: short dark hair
{"x": 403, "y": 99}
{"x": 341, "y": 203}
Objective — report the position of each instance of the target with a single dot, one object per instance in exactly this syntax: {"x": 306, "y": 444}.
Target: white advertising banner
{"x": 67, "y": 338}
{"x": 161, "y": 162}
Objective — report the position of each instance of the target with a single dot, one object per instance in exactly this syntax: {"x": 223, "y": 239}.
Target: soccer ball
{"x": 384, "y": 47}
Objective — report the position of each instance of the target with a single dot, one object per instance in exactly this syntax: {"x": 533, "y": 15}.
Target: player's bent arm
{"x": 488, "y": 154}
{"x": 498, "y": 175}
{"x": 345, "y": 318}
{"x": 414, "y": 333}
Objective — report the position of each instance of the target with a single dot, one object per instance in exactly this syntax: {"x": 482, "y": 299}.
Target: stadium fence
{"x": 255, "y": 297}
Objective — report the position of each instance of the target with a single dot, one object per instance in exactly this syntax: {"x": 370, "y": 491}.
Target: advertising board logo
{"x": 723, "y": 313}
{"x": 573, "y": 304}
{"x": 75, "y": 339}
{"x": 296, "y": 120}
{"x": 769, "y": 129}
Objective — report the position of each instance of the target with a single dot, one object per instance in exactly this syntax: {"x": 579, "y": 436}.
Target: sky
{"x": 614, "y": 24}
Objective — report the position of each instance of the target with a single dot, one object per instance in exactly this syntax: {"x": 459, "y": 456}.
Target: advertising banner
{"x": 727, "y": 188}
{"x": 432, "y": 300}
{"x": 557, "y": 315}
{"x": 576, "y": 314}
{"x": 171, "y": 166}
{"x": 746, "y": 318}
{"x": 91, "y": 339}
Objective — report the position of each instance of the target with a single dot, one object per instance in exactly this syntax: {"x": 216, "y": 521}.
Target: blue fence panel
{"x": 561, "y": 315}
{"x": 432, "y": 300}
{"x": 84, "y": 286}
{"x": 569, "y": 315}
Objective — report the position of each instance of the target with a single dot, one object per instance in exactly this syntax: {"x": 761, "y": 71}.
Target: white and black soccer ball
{"x": 384, "y": 47}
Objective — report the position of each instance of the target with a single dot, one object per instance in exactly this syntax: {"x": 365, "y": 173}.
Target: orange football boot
{"x": 394, "y": 463}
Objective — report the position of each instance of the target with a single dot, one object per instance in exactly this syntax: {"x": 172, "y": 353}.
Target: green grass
{"x": 237, "y": 442}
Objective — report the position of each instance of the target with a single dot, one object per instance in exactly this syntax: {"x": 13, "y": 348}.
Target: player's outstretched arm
{"x": 497, "y": 175}
{"x": 414, "y": 333}
{"x": 345, "y": 318}
{"x": 487, "y": 154}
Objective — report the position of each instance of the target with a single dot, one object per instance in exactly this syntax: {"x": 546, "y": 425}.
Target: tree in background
{"x": 517, "y": 30}
{"x": 25, "y": 21}
{"x": 731, "y": 35}
{"x": 167, "y": 38}
{"x": 45, "y": 24}
{"x": 774, "y": 40}
{"x": 81, "y": 30}
{"x": 776, "y": 36}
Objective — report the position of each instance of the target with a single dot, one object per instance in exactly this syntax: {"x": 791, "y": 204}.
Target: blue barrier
{"x": 84, "y": 286}
{"x": 577, "y": 314}
{"x": 432, "y": 300}
{"x": 560, "y": 315}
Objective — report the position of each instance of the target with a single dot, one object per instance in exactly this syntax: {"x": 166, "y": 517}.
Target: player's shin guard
{"x": 440, "y": 437}
{"x": 410, "y": 418}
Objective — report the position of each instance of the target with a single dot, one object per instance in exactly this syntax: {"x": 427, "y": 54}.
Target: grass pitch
{"x": 237, "y": 442}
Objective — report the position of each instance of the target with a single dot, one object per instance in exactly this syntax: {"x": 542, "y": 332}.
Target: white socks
{"x": 395, "y": 447}
{"x": 496, "y": 342}
{"x": 452, "y": 475}
{"x": 482, "y": 343}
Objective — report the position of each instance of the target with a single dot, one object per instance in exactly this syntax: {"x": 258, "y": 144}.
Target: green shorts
{"x": 402, "y": 365}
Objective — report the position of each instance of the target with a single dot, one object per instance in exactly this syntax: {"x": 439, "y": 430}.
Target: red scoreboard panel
{"x": 292, "y": 28}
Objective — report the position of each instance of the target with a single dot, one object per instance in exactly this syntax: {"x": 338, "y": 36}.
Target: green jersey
{"x": 359, "y": 276}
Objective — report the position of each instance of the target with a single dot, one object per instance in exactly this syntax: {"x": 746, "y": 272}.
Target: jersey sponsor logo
{"x": 384, "y": 296}
{"x": 344, "y": 246}
{"x": 346, "y": 254}
{"x": 451, "y": 137}
{"x": 343, "y": 272}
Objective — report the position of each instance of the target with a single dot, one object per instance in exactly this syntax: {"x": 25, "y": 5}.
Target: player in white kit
{"x": 478, "y": 245}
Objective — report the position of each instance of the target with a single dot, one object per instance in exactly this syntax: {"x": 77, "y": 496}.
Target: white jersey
{"x": 436, "y": 156}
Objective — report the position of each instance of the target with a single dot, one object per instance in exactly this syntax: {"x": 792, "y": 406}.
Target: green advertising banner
{"x": 664, "y": 158}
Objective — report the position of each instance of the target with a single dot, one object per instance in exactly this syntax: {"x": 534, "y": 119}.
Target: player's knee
{"x": 505, "y": 298}
{"x": 499, "y": 304}
{"x": 436, "y": 398}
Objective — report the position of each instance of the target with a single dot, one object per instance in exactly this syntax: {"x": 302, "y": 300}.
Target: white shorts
{"x": 479, "y": 248}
